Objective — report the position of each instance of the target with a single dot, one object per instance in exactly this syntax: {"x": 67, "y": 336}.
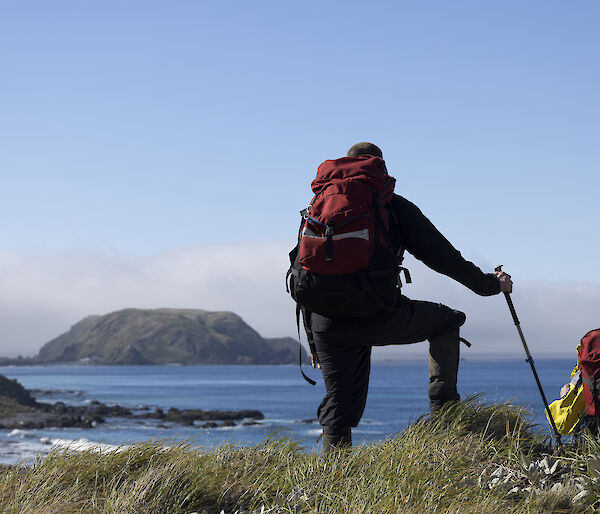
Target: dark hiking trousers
{"x": 345, "y": 357}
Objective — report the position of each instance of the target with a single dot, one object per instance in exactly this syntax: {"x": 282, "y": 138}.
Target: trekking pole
{"x": 529, "y": 359}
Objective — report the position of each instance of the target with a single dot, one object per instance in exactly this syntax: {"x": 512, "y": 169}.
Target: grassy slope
{"x": 434, "y": 466}
{"x": 10, "y": 407}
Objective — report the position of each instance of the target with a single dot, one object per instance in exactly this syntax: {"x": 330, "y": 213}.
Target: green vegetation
{"x": 10, "y": 407}
{"x": 470, "y": 458}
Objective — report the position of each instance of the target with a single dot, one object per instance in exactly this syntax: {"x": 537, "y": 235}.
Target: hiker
{"x": 341, "y": 343}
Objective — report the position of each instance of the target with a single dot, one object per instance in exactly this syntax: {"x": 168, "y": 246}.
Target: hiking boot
{"x": 444, "y": 354}
{"x": 336, "y": 437}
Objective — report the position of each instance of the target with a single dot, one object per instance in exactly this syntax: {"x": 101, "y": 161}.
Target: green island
{"x": 163, "y": 336}
{"x": 468, "y": 458}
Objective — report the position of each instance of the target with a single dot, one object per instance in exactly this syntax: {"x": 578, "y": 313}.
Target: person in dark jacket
{"x": 341, "y": 347}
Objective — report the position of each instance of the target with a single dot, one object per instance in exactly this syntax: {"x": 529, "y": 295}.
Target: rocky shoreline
{"x": 19, "y": 409}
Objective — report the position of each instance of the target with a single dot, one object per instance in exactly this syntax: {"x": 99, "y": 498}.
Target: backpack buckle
{"x": 407, "y": 277}
{"x": 329, "y": 242}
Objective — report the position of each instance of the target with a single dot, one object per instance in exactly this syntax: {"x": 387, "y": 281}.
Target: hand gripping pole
{"x": 529, "y": 359}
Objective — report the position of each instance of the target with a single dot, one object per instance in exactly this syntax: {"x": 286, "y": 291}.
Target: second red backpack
{"x": 589, "y": 363}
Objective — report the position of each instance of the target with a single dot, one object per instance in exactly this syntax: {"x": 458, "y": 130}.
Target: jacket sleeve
{"x": 425, "y": 242}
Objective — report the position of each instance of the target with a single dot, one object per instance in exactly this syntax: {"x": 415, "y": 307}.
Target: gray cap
{"x": 365, "y": 148}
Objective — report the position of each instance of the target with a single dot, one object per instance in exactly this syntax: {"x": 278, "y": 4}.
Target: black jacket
{"x": 421, "y": 239}
{"x": 425, "y": 242}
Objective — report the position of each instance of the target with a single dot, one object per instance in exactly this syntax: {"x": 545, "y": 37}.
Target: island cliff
{"x": 167, "y": 336}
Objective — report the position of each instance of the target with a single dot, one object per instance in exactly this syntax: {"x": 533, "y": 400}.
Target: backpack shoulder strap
{"x": 395, "y": 229}
{"x": 396, "y": 236}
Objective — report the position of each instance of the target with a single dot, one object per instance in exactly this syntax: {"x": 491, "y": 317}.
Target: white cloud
{"x": 553, "y": 315}
{"x": 42, "y": 296}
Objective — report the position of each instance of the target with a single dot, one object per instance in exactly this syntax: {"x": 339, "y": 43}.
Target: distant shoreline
{"x": 10, "y": 363}
{"x": 170, "y": 365}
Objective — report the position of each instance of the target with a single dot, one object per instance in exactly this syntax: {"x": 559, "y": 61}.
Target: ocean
{"x": 397, "y": 397}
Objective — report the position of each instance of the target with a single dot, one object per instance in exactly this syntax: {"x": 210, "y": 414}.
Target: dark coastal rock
{"x": 68, "y": 416}
{"x": 48, "y": 393}
{"x": 25, "y": 420}
{"x": 157, "y": 414}
{"x": 167, "y": 336}
{"x": 18, "y": 409}
{"x": 113, "y": 411}
{"x": 214, "y": 424}
{"x": 188, "y": 416}
{"x": 12, "y": 389}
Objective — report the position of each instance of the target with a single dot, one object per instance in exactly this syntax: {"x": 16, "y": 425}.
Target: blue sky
{"x": 141, "y": 132}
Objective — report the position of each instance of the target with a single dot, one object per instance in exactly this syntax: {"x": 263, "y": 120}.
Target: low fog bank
{"x": 42, "y": 296}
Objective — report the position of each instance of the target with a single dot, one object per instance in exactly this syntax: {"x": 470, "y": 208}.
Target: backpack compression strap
{"x": 594, "y": 388}
{"x": 309, "y": 380}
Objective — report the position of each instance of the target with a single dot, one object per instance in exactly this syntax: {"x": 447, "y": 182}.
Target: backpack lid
{"x": 589, "y": 353}
{"x": 365, "y": 168}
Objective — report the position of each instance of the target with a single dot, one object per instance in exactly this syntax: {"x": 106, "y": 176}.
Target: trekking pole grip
{"x": 509, "y": 301}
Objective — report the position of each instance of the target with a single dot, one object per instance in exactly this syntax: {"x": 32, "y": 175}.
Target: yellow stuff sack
{"x": 567, "y": 411}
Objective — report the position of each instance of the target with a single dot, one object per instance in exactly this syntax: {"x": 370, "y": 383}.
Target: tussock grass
{"x": 439, "y": 464}
{"x": 9, "y": 407}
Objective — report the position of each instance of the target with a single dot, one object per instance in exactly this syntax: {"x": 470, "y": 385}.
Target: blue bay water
{"x": 397, "y": 396}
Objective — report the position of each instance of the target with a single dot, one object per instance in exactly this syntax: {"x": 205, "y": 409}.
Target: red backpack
{"x": 589, "y": 363}
{"x": 345, "y": 264}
